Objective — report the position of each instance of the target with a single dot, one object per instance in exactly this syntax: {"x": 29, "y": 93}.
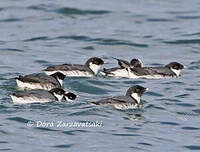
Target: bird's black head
{"x": 136, "y": 63}
{"x": 94, "y": 60}
{"x": 175, "y": 65}
{"x": 139, "y": 90}
{"x": 94, "y": 64}
{"x": 70, "y": 96}
{"x": 58, "y": 75}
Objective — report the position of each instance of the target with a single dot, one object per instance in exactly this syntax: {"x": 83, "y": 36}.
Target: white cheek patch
{"x": 177, "y": 72}
{"x": 94, "y": 67}
{"x": 140, "y": 62}
{"x": 60, "y": 81}
{"x": 70, "y": 100}
{"x": 59, "y": 97}
{"x": 136, "y": 97}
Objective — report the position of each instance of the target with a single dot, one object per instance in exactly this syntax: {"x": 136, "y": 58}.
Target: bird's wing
{"x": 29, "y": 78}
{"x": 40, "y": 94}
{"x": 66, "y": 67}
{"x": 122, "y": 63}
{"x": 39, "y": 78}
{"x": 159, "y": 71}
{"x": 109, "y": 71}
{"x": 114, "y": 100}
{"x": 152, "y": 71}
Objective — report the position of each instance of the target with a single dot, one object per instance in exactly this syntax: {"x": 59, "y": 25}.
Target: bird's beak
{"x": 146, "y": 89}
{"x": 184, "y": 67}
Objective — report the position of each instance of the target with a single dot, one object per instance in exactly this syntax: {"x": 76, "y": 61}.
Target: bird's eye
{"x": 176, "y": 67}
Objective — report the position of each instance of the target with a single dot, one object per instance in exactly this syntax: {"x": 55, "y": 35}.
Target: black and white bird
{"x": 42, "y": 96}
{"x": 40, "y": 81}
{"x": 123, "y": 70}
{"x": 131, "y": 100}
{"x": 126, "y": 64}
{"x": 172, "y": 69}
{"x": 89, "y": 69}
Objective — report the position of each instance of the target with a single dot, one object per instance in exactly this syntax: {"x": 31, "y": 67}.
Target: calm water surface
{"x": 36, "y": 34}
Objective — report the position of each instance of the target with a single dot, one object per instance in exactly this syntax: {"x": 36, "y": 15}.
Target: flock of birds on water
{"x": 47, "y": 86}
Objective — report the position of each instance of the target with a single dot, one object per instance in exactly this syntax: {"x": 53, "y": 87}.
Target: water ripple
{"x": 11, "y": 20}
{"x": 6, "y": 149}
{"x": 120, "y": 42}
{"x": 169, "y": 123}
{"x": 197, "y": 111}
{"x": 88, "y": 48}
{"x": 45, "y": 129}
{"x": 42, "y": 62}
{"x": 125, "y": 135}
{"x": 185, "y": 104}
{"x": 3, "y": 132}
{"x": 159, "y": 20}
{"x": 131, "y": 128}
{"x": 171, "y": 100}
{"x": 182, "y": 12}
{"x": 190, "y": 128}
{"x": 64, "y": 146}
{"x": 11, "y": 50}
{"x": 154, "y": 94}
{"x": 105, "y": 28}
{"x": 75, "y": 11}
{"x": 191, "y": 41}
{"x": 18, "y": 119}
{"x": 41, "y": 38}
{"x": 103, "y": 41}
{"x": 3, "y": 142}
{"x": 192, "y": 34}
{"x": 188, "y": 17}
{"x": 76, "y": 37}
{"x": 74, "y": 132}
{"x": 182, "y": 95}
{"x": 145, "y": 144}
{"x": 192, "y": 147}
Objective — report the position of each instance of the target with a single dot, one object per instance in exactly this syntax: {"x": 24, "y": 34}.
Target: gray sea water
{"x": 36, "y": 34}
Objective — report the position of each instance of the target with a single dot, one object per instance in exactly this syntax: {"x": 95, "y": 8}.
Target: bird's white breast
{"x": 94, "y": 68}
